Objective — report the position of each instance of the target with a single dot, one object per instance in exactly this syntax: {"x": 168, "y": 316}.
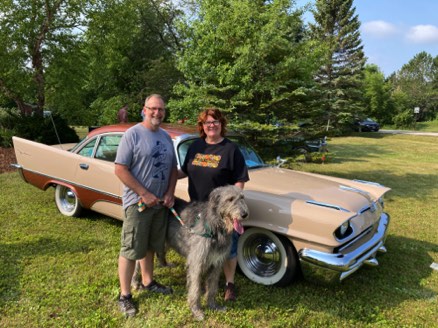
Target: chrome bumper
{"x": 329, "y": 267}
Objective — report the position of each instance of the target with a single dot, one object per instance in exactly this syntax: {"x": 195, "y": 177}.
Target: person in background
{"x": 146, "y": 165}
{"x": 215, "y": 161}
{"x": 122, "y": 114}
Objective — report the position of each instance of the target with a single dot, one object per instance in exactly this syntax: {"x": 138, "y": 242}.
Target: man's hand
{"x": 149, "y": 199}
{"x": 168, "y": 200}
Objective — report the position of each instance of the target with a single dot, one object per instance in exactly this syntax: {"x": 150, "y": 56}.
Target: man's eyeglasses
{"x": 159, "y": 109}
{"x": 208, "y": 123}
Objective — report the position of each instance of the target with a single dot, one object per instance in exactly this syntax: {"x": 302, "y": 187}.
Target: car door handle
{"x": 83, "y": 166}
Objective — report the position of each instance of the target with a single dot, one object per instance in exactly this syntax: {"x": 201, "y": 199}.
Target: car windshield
{"x": 252, "y": 159}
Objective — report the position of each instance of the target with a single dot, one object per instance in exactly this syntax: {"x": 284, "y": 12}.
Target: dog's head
{"x": 231, "y": 205}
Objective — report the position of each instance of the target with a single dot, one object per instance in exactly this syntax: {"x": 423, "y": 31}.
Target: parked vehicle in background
{"x": 303, "y": 146}
{"x": 324, "y": 227}
{"x": 366, "y": 125}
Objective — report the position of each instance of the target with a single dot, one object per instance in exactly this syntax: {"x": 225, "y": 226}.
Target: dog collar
{"x": 208, "y": 233}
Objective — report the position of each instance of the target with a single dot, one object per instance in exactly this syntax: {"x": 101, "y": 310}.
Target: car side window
{"x": 182, "y": 150}
{"x": 87, "y": 149}
{"x": 107, "y": 148}
{"x": 252, "y": 159}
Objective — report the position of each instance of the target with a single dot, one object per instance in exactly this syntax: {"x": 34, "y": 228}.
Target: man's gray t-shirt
{"x": 150, "y": 157}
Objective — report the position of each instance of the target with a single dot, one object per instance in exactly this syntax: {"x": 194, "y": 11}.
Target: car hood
{"x": 351, "y": 195}
{"x": 308, "y": 206}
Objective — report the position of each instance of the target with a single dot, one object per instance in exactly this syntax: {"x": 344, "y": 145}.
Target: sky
{"x": 394, "y": 31}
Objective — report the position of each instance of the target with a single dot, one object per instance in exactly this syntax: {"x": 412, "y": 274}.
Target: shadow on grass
{"x": 365, "y": 295}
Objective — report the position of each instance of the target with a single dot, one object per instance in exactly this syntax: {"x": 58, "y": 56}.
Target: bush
{"x": 404, "y": 119}
{"x": 36, "y": 128}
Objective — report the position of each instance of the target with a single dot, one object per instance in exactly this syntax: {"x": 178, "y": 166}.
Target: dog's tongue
{"x": 238, "y": 226}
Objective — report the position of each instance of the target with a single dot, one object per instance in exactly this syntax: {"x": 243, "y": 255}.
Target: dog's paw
{"x": 218, "y": 307}
{"x": 198, "y": 314}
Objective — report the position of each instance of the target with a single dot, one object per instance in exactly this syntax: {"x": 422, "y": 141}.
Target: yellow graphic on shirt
{"x": 206, "y": 160}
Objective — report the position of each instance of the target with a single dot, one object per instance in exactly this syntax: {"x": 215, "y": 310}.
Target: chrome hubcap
{"x": 261, "y": 255}
{"x": 68, "y": 199}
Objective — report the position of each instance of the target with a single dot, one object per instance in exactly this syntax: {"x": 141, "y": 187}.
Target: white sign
{"x": 417, "y": 110}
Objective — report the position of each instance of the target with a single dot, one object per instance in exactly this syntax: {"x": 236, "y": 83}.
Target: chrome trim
{"x": 70, "y": 183}
{"x": 372, "y": 261}
{"x": 339, "y": 266}
{"x": 369, "y": 183}
{"x": 382, "y": 250}
{"x": 372, "y": 207}
{"x": 335, "y": 207}
{"x": 20, "y": 170}
{"x": 362, "y": 192}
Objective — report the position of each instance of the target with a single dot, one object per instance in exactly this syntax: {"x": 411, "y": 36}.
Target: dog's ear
{"x": 214, "y": 200}
{"x": 215, "y": 196}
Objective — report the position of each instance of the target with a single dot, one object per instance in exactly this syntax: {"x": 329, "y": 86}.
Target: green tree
{"x": 31, "y": 34}
{"x": 245, "y": 57}
{"x": 377, "y": 95}
{"x": 340, "y": 77}
{"x": 130, "y": 45}
{"x": 417, "y": 79}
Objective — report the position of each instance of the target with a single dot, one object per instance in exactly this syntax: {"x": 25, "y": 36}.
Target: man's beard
{"x": 156, "y": 121}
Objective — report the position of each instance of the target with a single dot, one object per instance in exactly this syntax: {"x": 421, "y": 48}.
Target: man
{"x": 122, "y": 114}
{"x": 146, "y": 165}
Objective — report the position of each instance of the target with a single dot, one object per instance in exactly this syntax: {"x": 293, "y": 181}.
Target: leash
{"x": 177, "y": 216}
{"x": 142, "y": 206}
{"x": 207, "y": 234}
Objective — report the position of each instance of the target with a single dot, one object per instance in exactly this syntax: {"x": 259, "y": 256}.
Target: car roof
{"x": 174, "y": 130}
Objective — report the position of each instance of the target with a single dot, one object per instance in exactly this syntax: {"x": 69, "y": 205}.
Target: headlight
{"x": 344, "y": 230}
{"x": 381, "y": 202}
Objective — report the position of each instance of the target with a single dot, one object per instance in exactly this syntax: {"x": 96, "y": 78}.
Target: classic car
{"x": 321, "y": 226}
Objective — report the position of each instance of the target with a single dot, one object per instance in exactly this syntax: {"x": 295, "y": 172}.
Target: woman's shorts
{"x": 235, "y": 240}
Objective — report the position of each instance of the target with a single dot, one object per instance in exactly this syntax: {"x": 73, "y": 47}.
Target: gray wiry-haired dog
{"x": 205, "y": 240}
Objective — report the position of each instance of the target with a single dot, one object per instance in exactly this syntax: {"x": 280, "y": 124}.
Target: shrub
{"x": 404, "y": 119}
{"x": 36, "y": 128}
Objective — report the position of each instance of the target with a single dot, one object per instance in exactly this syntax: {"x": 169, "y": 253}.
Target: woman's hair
{"x": 217, "y": 115}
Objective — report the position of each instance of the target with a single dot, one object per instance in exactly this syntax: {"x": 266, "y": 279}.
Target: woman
{"x": 215, "y": 161}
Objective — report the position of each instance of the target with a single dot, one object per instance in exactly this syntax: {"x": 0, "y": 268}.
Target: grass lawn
{"x": 57, "y": 271}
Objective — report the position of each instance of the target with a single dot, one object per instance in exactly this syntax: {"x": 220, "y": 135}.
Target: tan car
{"x": 322, "y": 226}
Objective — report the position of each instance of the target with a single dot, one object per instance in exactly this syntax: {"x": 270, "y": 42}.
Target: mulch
{"x": 7, "y": 156}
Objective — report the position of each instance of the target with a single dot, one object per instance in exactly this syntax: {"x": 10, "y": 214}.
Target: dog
{"x": 202, "y": 233}
{"x": 204, "y": 237}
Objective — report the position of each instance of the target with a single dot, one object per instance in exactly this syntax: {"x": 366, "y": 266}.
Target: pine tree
{"x": 245, "y": 57}
{"x": 340, "y": 76}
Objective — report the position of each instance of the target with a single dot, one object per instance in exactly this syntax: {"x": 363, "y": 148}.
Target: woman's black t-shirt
{"x": 209, "y": 166}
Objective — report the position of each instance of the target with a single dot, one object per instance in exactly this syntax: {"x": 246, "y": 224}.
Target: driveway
{"x": 418, "y": 133}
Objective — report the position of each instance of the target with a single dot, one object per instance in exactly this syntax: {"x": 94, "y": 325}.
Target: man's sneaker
{"x": 156, "y": 288}
{"x": 230, "y": 292}
{"x": 127, "y": 306}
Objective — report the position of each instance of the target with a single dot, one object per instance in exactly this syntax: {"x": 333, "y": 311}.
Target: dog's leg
{"x": 194, "y": 272}
{"x": 212, "y": 284}
{"x": 136, "y": 277}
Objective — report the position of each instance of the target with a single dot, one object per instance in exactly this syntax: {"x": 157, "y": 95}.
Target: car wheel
{"x": 67, "y": 201}
{"x": 267, "y": 258}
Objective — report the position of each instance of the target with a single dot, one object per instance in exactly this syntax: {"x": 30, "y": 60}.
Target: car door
{"x": 95, "y": 172}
